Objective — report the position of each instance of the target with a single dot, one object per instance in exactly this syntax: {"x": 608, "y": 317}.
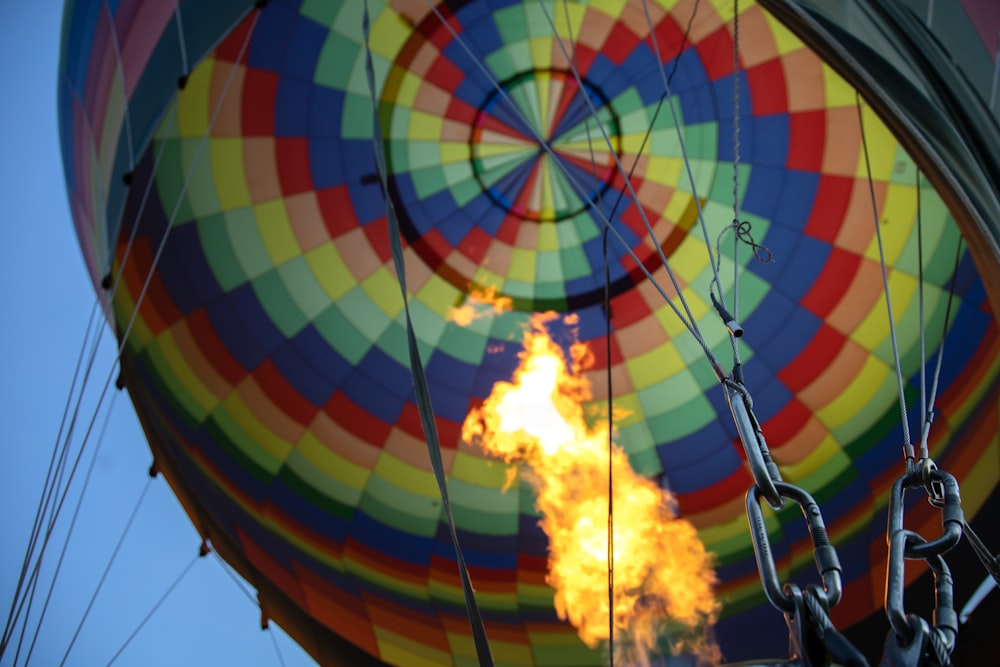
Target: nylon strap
{"x": 420, "y": 388}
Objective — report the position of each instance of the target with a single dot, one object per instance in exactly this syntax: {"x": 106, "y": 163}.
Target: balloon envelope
{"x": 265, "y": 342}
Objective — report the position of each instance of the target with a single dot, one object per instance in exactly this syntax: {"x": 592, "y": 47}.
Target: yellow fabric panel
{"x": 227, "y": 171}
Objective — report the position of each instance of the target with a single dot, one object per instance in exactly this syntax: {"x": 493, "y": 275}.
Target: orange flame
{"x": 662, "y": 574}
{"x": 478, "y": 303}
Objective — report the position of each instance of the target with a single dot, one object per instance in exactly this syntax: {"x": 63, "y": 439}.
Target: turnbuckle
{"x": 942, "y": 488}
{"x": 825, "y": 555}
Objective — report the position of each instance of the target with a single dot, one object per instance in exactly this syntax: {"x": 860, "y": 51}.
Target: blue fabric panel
{"x": 392, "y": 376}
{"x": 711, "y": 468}
{"x": 291, "y": 502}
{"x": 387, "y": 540}
{"x": 291, "y": 108}
{"x": 303, "y": 48}
{"x": 798, "y": 195}
{"x": 797, "y": 332}
{"x": 270, "y": 38}
{"x": 448, "y": 403}
{"x": 693, "y": 448}
{"x": 326, "y": 108}
{"x": 325, "y": 162}
{"x": 307, "y": 372}
{"x": 450, "y": 372}
{"x": 371, "y": 397}
{"x": 187, "y": 253}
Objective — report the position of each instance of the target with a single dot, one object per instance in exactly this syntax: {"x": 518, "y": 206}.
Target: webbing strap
{"x": 417, "y": 368}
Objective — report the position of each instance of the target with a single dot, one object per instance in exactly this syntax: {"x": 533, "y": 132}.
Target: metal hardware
{"x": 824, "y": 553}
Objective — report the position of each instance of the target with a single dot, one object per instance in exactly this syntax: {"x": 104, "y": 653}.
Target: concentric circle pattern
{"x": 269, "y": 359}
{"x": 533, "y": 146}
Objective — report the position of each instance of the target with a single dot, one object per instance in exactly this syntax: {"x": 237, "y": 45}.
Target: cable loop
{"x": 743, "y": 230}
{"x": 824, "y": 553}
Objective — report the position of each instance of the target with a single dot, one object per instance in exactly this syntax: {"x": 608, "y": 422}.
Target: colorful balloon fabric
{"x": 265, "y": 343}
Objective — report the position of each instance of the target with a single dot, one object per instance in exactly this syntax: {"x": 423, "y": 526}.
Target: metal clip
{"x": 952, "y": 517}
{"x": 945, "y": 618}
{"x": 825, "y": 555}
{"x": 765, "y": 472}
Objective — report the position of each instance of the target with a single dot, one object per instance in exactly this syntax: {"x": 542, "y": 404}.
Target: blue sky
{"x": 47, "y": 302}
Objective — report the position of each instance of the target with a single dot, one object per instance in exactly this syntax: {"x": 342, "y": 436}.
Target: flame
{"x": 662, "y": 574}
{"x": 480, "y": 301}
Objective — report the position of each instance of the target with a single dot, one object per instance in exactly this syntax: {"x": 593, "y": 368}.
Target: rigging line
{"x": 421, "y": 390}
{"x": 689, "y": 323}
{"x": 121, "y": 74}
{"x": 53, "y": 479}
{"x": 53, "y": 489}
{"x": 717, "y": 369}
{"x": 907, "y": 445}
{"x": 611, "y": 424}
{"x": 569, "y": 177}
{"x": 736, "y": 182}
{"x": 659, "y": 107}
{"x": 40, "y": 512}
{"x": 236, "y": 580}
{"x": 107, "y": 569}
{"x": 277, "y": 650}
{"x": 188, "y": 179}
{"x": 925, "y": 432}
{"x": 180, "y": 35}
{"x": 680, "y": 140}
{"x": 607, "y": 329}
{"x": 607, "y": 343}
{"x": 69, "y": 534}
{"x": 133, "y": 233}
{"x": 656, "y": 112}
{"x": 922, "y": 451}
{"x": 621, "y": 168}
{"x": 156, "y": 606}
{"x": 52, "y": 484}
{"x": 145, "y": 288}
{"x": 62, "y": 450}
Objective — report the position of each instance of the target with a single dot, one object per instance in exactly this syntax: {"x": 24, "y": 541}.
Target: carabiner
{"x": 824, "y": 554}
{"x": 764, "y": 474}
{"x": 952, "y": 516}
{"x": 945, "y": 618}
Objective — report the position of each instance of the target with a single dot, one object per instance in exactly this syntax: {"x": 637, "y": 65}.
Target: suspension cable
{"x": 120, "y": 69}
{"x": 925, "y": 429}
{"x": 107, "y": 569}
{"x": 53, "y": 488}
{"x": 185, "y": 68}
{"x": 607, "y": 348}
{"x": 689, "y": 322}
{"x": 69, "y": 533}
{"x": 680, "y": 140}
{"x": 576, "y": 186}
{"x": 49, "y": 479}
{"x": 907, "y": 445}
{"x": 420, "y": 388}
{"x": 240, "y": 584}
{"x": 924, "y": 407}
{"x": 277, "y": 649}
{"x": 736, "y": 184}
{"x": 155, "y": 607}
{"x": 18, "y": 604}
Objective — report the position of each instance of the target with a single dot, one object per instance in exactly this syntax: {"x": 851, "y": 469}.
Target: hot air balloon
{"x": 229, "y": 186}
